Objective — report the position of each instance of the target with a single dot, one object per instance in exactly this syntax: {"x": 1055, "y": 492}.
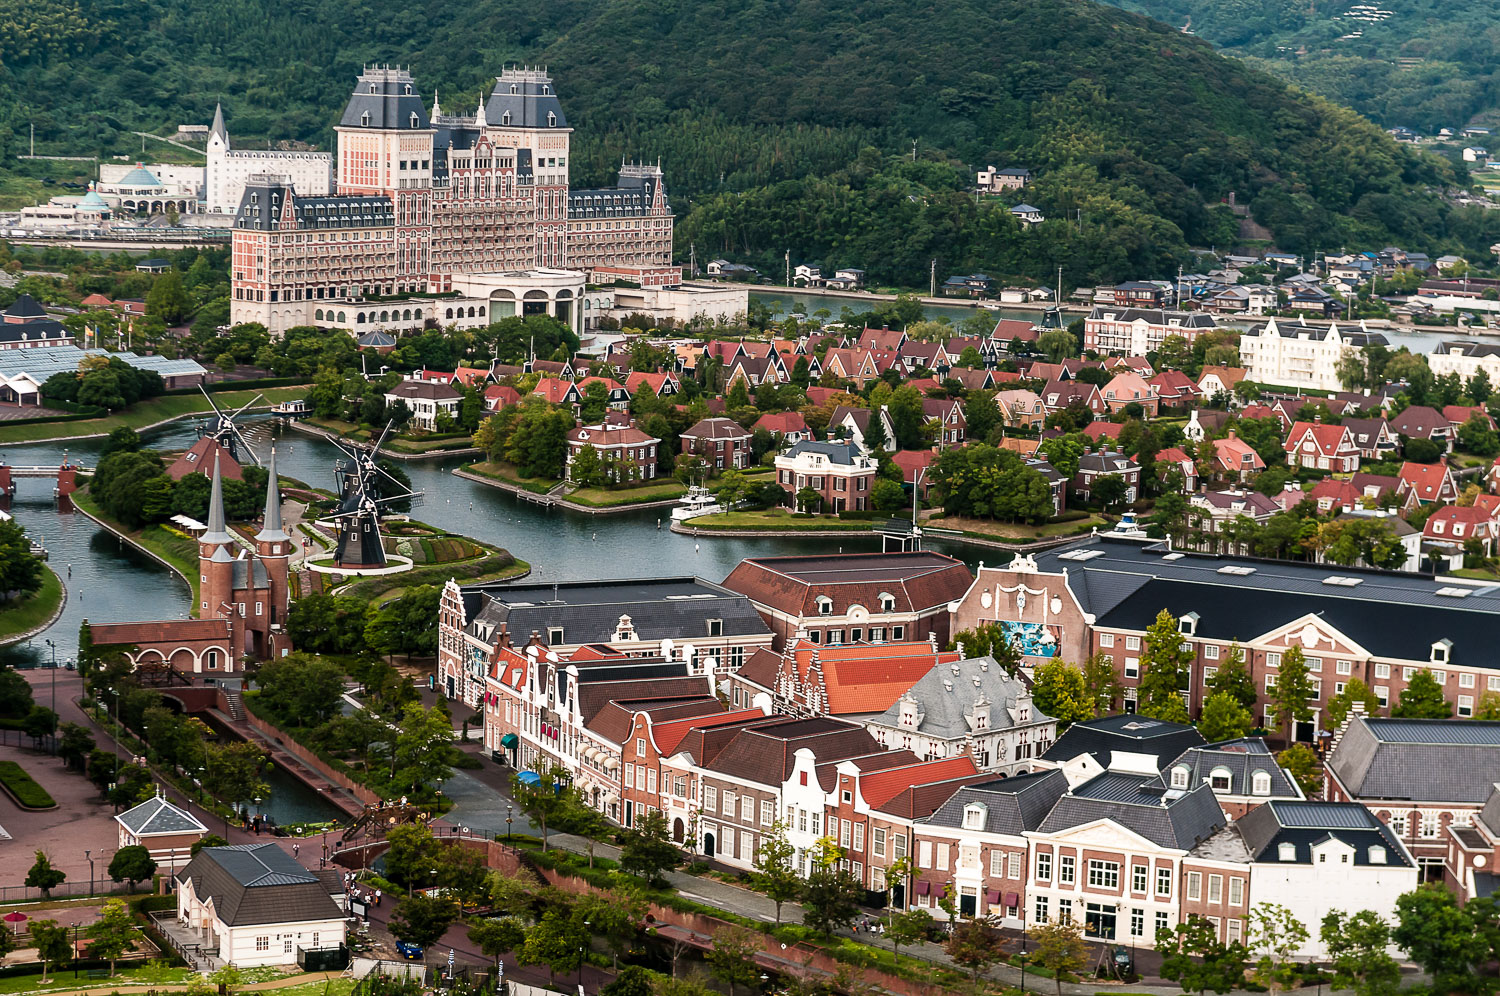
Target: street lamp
{"x": 89, "y": 854}
{"x": 507, "y": 823}
{"x": 581, "y": 949}
{"x": 53, "y": 647}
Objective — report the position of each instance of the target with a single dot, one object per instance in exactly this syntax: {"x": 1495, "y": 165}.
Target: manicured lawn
{"x": 161, "y": 978}
{"x": 24, "y": 787}
{"x": 773, "y": 520}
{"x": 988, "y": 529}
{"x": 32, "y": 610}
{"x": 143, "y": 414}
{"x": 606, "y": 498}
{"x": 505, "y": 472}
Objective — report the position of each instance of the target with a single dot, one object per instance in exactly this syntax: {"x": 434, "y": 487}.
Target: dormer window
{"x": 505, "y": 118}
{"x": 413, "y": 116}
{"x": 825, "y": 605}
{"x": 408, "y": 89}
{"x": 887, "y": 602}
{"x": 546, "y": 87}
{"x": 1260, "y": 783}
{"x": 364, "y": 119}
{"x": 1286, "y": 852}
{"x": 513, "y": 88}
{"x": 1377, "y": 854}
{"x": 1188, "y": 624}
{"x": 974, "y": 815}
{"x": 554, "y": 635}
{"x": 1440, "y": 651}
{"x": 551, "y": 120}
{"x": 1180, "y": 777}
{"x": 1220, "y": 780}
{"x": 372, "y": 87}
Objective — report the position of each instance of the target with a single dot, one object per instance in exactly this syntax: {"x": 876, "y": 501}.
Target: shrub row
{"x": 28, "y": 794}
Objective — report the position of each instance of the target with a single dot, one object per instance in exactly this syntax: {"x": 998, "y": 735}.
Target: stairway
{"x": 235, "y": 704}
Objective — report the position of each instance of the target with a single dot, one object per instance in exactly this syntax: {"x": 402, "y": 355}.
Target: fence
{"x": 67, "y": 890}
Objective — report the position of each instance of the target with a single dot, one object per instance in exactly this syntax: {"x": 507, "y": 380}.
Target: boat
{"x": 292, "y": 409}
{"x": 698, "y": 501}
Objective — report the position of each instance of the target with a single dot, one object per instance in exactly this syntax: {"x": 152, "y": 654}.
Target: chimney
{"x": 1233, "y": 434}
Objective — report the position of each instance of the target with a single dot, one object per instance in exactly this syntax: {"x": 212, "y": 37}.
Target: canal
{"x": 111, "y": 582}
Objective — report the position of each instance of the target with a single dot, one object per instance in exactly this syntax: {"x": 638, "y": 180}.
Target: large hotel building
{"x": 476, "y": 206}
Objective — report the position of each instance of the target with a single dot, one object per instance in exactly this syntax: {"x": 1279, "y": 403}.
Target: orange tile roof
{"x": 870, "y": 677}
{"x": 880, "y": 787}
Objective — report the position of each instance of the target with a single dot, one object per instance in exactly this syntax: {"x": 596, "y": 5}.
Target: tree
{"x": 1305, "y": 766}
{"x": 1102, "y": 682}
{"x": 1218, "y": 966}
{"x": 1354, "y": 691}
{"x": 1357, "y": 949}
{"x": 907, "y": 927}
{"x": 497, "y": 935}
{"x": 540, "y": 799}
{"x": 831, "y": 896}
{"x": 774, "y": 867}
{"x": 731, "y": 959}
{"x": 1488, "y": 706}
{"x": 558, "y": 941}
{"x": 1057, "y": 344}
{"x": 1476, "y": 436}
{"x": 302, "y": 690}
{"x": 1058, "y": 690}
{"x": 1276, "y": 935}
{"x": 973, "y": 945}
{"x": 1108, "y": 490}
{"x": 39, "y": 722}
{"x": 809, "y": 500}
{"x": 1059, "y": 948}
{"x": 51, "y": 943}
{"x": 1223, "y": 718}
{"x": 413, "y": 854}
{"x": 112, "y": 934}
{"x": 43, "y": 876}
{"x": 462, "y": 872}
{"x": 234, "y": 772}
{"x": 168, "y": 299}
{"x": 1422, "y": 698}
{"x": 1291, "y": 697}
{"x": 647, "y": 848}
{"x": 1435, "y": 932}
{"x": 424, "y": 750}
{"x": 1234, "y": 678}
{"x": 1418, "y": 449}
{"x": 74, "y": 744}
{"x": 1164, "y": 670}
{"x": 422, "y": 919}
{"x": 633, "y": 980}
{"x": 132, "y": 864}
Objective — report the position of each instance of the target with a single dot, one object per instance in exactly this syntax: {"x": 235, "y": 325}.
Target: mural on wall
{"x": 1033, "y": 639}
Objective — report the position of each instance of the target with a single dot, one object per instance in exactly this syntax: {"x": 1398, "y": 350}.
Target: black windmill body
{"x": 223, "y": 428}
{"x": 364, "y": 489}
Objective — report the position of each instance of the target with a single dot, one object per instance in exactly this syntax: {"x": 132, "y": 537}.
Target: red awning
{"x": 923, "y": 888}
{"x": 1011, "y": 899}
{"x": 994, "y": 897}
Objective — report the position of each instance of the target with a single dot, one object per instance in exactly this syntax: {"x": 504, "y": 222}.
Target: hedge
{"x": 240, "y": 385}
{"x": 28, "y": 794}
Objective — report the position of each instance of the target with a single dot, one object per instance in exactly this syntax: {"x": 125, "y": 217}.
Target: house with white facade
{"x": 253, "y": 904}
{"x": 1295, "y": 354}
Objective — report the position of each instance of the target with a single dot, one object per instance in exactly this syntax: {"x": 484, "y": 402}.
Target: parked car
{"x": 409, "y": 951}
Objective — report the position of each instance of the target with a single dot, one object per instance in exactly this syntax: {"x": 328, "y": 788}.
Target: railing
{"x": 23, "y": 893}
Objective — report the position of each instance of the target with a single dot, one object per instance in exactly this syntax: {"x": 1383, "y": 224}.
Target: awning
{"x": 994, "y": 897}
{"x": 509, "y": 742}
{"x": 1011, "y": 899}
{"x": 612, "y": 763}
{"x": 529, "y": 778}
{"x": 923, "y": 887}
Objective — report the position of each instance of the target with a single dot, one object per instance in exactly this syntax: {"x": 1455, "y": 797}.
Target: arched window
{"x": 481, "y": 311}
{"x": 449, "y": 314}
{"x": 318, "y": 315}
{"x": 359, "y": 319}
{"x": 1180, "y": 777}
{"x": 385, "y": 316}
{"x": 372, "y": 87}
{"x": 825, "y": 605}
{"x": 341, "y": 318}
{"x": 406, "y": 315}
{"x": 551, "y": 120}
{"x": 505, "y": 118}
{"x": 1260, "y": 783}
{"x": 1220, "y": 779}
{"x": 887, "y": 602}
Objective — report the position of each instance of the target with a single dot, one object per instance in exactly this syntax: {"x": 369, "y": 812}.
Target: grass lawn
{"x": 606, "y": 498}
{"x": 382, "y": 588}
{"x": 429, "y": 445}
{"x": 162, "y": 978}
{"x": 505, "y": 472}
{"x": 179, "y": 552}
{"x": 31, "y": 610}
{"x": 988, "y": 529}
{"x": 776, "y": 519}
{"x": 143, "y": 414}
{"x": 25, "y": 789}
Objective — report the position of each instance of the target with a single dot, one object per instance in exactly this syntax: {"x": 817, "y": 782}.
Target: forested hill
{"x": 789, "y": 124}
{"x": 1424, "y": 64}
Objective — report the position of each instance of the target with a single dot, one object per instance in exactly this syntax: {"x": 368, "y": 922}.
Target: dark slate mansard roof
{"x": 1180, "y": 823}
{"x": 391, "y": 106}
{"x": 1012, "y": 805}
{"x": 1131, "y": 733}
{"x": 1241, "y": 758}
{"x": 528, "y": 105}
{"x": 1423, "y": 760}
{"x": 1304, "y": 824}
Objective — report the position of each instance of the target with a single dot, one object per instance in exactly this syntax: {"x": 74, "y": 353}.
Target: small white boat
{"x": 698, "y": 501}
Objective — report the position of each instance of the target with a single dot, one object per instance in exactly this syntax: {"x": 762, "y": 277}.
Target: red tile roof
{"x": 1096, "y": 429}
{"x": 1331, "y": 439}
{"x": 782, "y": 422}
{"x": 1426, "y": 479}
{"x": 860, "y": 677}
{"x": 470, "y": 377}
{"x": 879, "y": 787}
{"x": 669, "y": 735}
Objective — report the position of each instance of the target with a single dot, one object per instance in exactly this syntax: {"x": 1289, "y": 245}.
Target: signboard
{"x": 1033, "y": 639}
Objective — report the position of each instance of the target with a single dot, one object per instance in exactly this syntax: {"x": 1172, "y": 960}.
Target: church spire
{"x": 218, "y": 130}
{"x": 217, "y": 533}
{"x": 271, "y": 530}
{"x": 436, "y": 110}
{"x": 479, "y": 121}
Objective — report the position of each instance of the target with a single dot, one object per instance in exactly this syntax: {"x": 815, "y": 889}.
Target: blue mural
{"x": 1033, "y": 639}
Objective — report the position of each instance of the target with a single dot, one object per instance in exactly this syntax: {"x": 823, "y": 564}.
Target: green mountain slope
{"x": 789, "y": 124}
{"x": 1425, "y": 64}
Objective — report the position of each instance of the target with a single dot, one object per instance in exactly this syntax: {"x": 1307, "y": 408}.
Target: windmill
{"x": 364, "y": 487}
{"x": 226, "y": 432}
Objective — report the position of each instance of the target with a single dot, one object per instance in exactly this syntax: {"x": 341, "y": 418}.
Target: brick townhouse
{"x": 838, "y": 472}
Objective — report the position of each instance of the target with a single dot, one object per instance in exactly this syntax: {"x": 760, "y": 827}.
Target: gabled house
{"x": 948, "y": 415}
{"x": 857, "y": 365}
{"x": 1425, "y": 484}
{"x": 1060, "y": 394}
{"x": 790, "y": 426}
{"x": 1321, "y": 446}
{"x": 498, "y": 396}
{"x": 854, "y": 424}
{"x": 1127, "y": 388}
{"x": 1422, "y": 422}
{"x": 1235, "y": 459}
{"x": 1219, "y": 380}
{"x": 1174, "y": 459}
{"x": 1372, "y": 436}
{"x": 1455, "y": 526}
{"x": 1174, "y": 388}
{"x": 1104, "y": 463}
{"x": 1022, "y": 408}
{"x": 662, "y": 385}
{"x": 721, "y": 442}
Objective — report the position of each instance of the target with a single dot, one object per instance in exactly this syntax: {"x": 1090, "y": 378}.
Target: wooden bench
{"x": 98, "y": 973}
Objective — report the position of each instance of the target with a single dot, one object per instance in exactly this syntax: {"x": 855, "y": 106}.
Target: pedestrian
{"x": 377, "y": 897}
{"x": 296, "y": 847}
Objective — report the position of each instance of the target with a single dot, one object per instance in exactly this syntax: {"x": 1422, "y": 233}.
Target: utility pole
{"x": 693, "y": 259}
{"x": 1057, "y": 293}
{"x": 1179, "y": 287}
{"x": 914, "y": 150}
{"x": 789, "y": 268}
{"x": 932, "y": 281}
{"x": 33, "y": 140}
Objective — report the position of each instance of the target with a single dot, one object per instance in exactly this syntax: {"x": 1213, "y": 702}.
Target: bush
{"x": 24, "y": 788}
